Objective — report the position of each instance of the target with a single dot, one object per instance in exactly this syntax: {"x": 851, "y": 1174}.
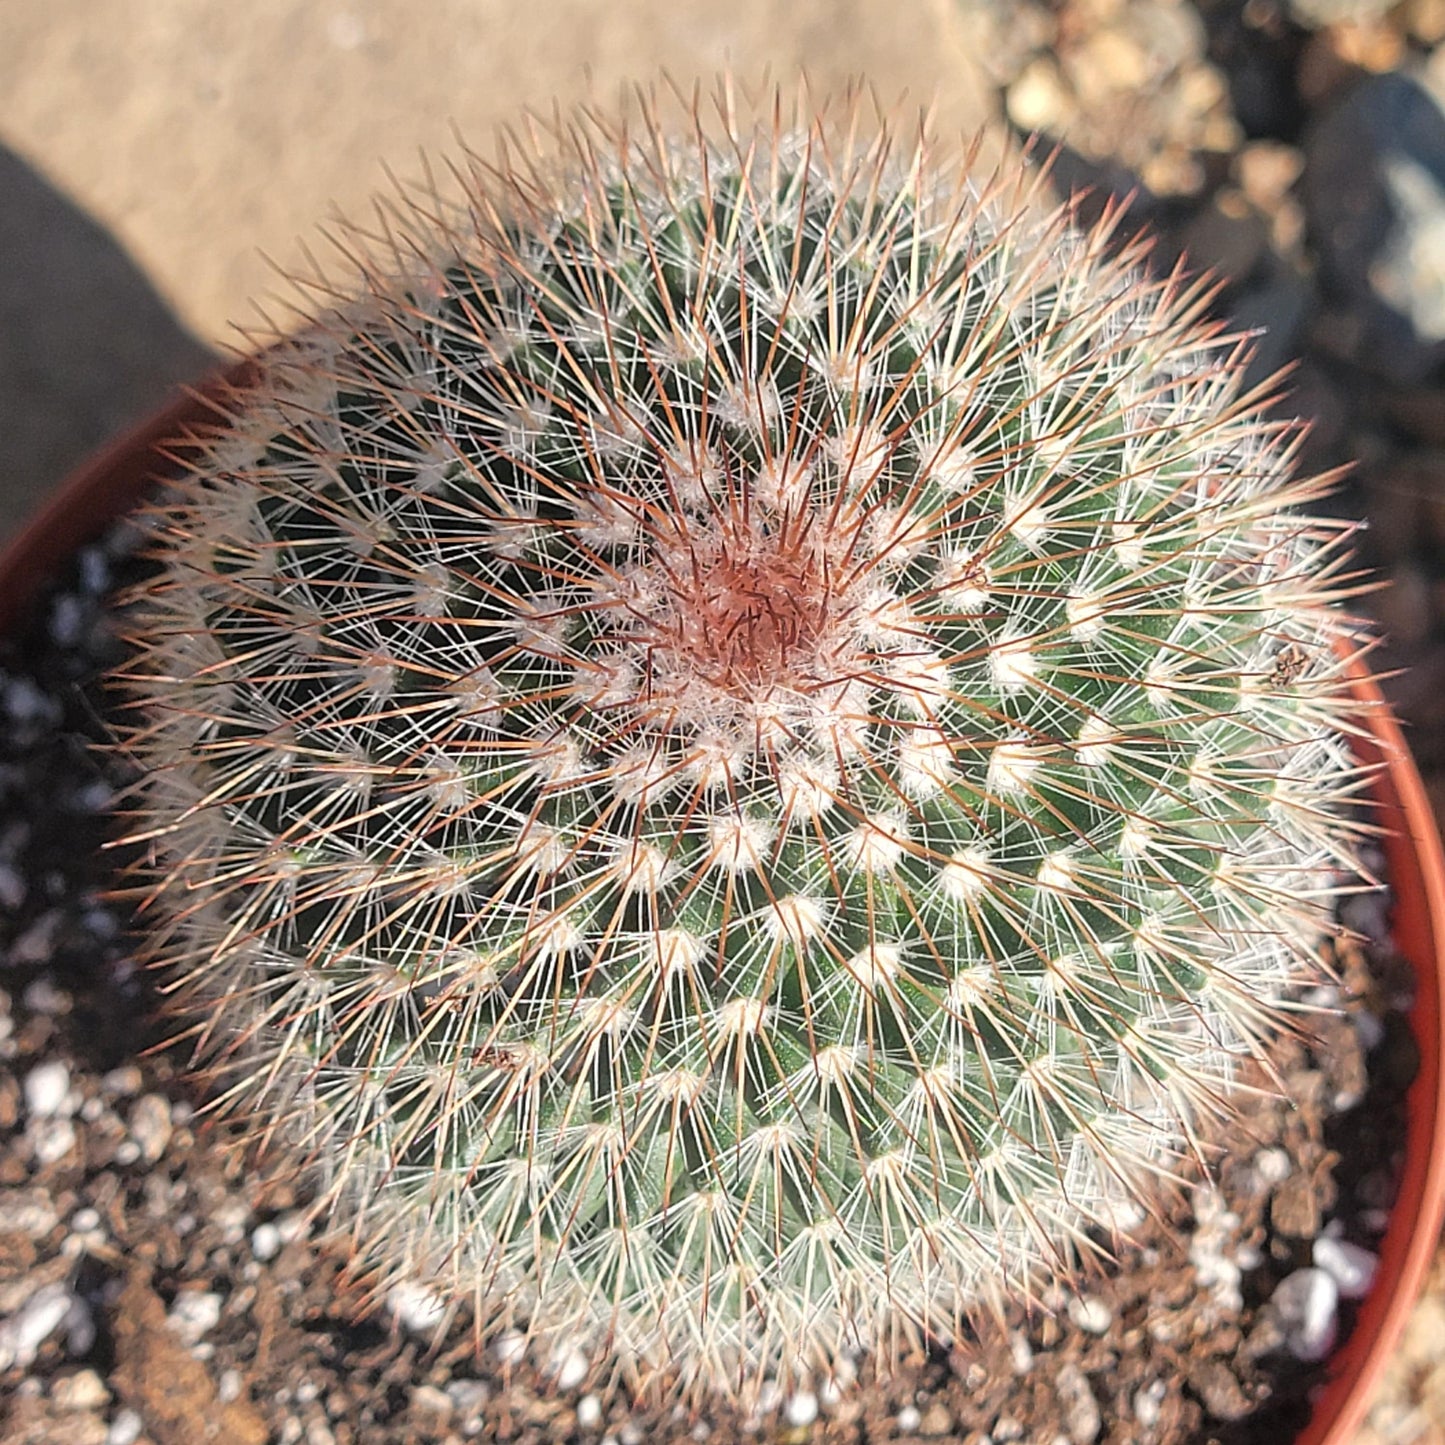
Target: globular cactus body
{"x": 737, "y": 749}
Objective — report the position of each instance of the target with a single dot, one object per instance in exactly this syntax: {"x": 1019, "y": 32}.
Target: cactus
{"x": 736, "y": 750}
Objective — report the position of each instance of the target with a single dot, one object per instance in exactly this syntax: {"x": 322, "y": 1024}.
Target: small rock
{"x": 35, "y": 945}
{"x": 84, "y": 1390}
{"x": 509, "y": 1348}
{"x": 936, "y": 1421}
{"x": 42, "y": 996}
{"x": 195, "y": 1314}
{"x": 1266, "y": 170}
{"x": 1111, "y": 61}
{"x": 468, "y": 1396}
{"x": 1220, "y": 1390}
{"x": 1376, "y": 212}
{"x": 1081, "y": 1409}
{"x": 1318, "y": 14}
{"x": 1351, "y": 1266}
{"x": 22, "y": 1335}
{"x": 12, "y": 889}
{"x": 416, "y": 1308}
{"x": 30, "y": 1212}
{"x": 569, "y": 1368}
{"x": 1039, "y": 99}
{"x": 1147, "y": 1403}
{"x": 908, "y": 1420}
{"x": 1090, "y": 1314}
{"x": 50, "y": 1140}
{"x": 1272, "y": 1166}
{"x": 801, "y": 1409}
{"x": 1306, "y": 1305}
{"x": 589, "y": 1412}
{"x": 79, "y": 1328}
{"x": 47, "y": 1091}
{"x": 265, "y": 1242}
{"x": 1020, "y": 1352}
{"x": 432, "y": 1401}
{"x": 123, "y": 1082}
{"x": 150, "y": 1125}
{"x": 125, "y": 1428}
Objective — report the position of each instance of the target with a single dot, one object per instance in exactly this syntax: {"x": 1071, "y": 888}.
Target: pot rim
{"x": 118, "y": 476}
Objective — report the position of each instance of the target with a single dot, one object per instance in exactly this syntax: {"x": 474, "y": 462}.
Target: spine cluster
{"x": 737, "y": 748}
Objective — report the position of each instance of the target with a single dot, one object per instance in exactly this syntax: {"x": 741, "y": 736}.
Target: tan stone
{"x": 152, "y": 150}
{"x": 199, "y": 131}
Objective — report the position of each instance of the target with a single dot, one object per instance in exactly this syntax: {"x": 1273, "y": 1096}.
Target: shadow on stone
{"x": 86, "y": 345}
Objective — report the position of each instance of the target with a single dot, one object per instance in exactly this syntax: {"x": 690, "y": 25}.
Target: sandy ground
{"x": 154, "y": 153}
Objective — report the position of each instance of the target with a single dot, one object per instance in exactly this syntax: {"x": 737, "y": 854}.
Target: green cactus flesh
{"x": 739, "y": 747}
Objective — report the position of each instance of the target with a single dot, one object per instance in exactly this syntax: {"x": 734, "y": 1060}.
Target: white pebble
{"x": 31, "y": 1213}
{"x": 42, "y": 996}
{"x": 24, "y": 701}
{"x": 35, "y": 946}
{"x": 123, "y": 1081}
{"x": 415, "y": 1308}
{"x": 1351, "y": 1266}
{"x": 1147, "y": 1402}
{"x": 265, "y": 1242}
{"x": 47, "y": 1090}
{"x": 150, "y": 1125}
{"x": 67, "y": 620}
{"x": 50, "y": 1139}
{"x": 32, "y": 1324}
{"x": 1369, "y": 1029}
{"x": 1090, "y": 1314}
{"x": 125, "y": 1428}
{"x": 194, "y": 1314}
{"x": 467, "y": 1396}
{"x": 1272, "y": 1166}
{"x": 510, "y": 1347}
{"x": 569, "y": 1368}
{"x": 1021, "y": 1352}
{"x": 589, "y": 1412}
{"x": 1306, "y": 1303}
{"x": 79, "y": 1328}
{"x": 908, "y": 1420}
{"x": 801, "y": 1409}
{"x": 12, "y": 889}
{"x": 94, "y": 571}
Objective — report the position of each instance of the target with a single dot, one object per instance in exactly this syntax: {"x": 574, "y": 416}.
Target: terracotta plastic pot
{"x": 106, "y": 486}
{"x": 1416, "y": 869}
{"x": 119, "y": 476}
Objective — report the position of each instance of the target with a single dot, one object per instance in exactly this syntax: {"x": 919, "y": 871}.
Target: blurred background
{"x": 160, "y": 159}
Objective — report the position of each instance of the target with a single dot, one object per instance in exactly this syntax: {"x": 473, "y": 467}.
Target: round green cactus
{"x": 739, "y": 745}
